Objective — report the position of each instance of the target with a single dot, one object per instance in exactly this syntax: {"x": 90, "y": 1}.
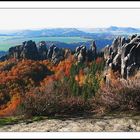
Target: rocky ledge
{"x": 103, "y": 124}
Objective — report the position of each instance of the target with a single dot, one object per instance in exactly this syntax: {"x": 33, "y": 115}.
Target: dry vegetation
{"x": 36, "y": 88}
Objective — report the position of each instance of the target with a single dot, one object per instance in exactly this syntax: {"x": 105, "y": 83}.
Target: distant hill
{"x": 102, "y": 36}
{"x": 112, "y": 30}
{"x": 123, "y": 29}
{"x": 61, "y": 32}
{"x": 68, "y": 32}
{"x": 72, "y": 32}
{"x": 3, "y": 35}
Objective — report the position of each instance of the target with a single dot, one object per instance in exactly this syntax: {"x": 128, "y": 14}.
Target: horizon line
{"x": 41, "y": 28}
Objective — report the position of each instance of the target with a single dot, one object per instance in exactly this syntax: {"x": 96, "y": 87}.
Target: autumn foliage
{"x": 32, "y": 85}
{"x": 31, "y": 88}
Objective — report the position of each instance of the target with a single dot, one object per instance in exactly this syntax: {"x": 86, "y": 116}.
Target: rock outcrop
{"x": 55, "y": 54}
{"x": 42, "y": 50}
{"x": 29, "y": 50}
{"x": 123, "y": 55}
{"x": 92, "y": 52}
{"x": 82, "y": 53}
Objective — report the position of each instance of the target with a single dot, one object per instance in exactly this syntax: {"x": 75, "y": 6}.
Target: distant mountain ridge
{"x": 102, "y": 36}
{"x": 72, "y": 32}
{"x": 60, "y": 32}
{"x": 51, "y": 32}
{"x": 112, "y": 30}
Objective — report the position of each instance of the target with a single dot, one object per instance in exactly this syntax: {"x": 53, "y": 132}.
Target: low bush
{"x": 51, "y": 104}
{"x": 4, "y": 95}
{"x": 124, "y": 97}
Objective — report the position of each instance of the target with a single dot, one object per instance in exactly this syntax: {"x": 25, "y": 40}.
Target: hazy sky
{"x": 80, "y": 18}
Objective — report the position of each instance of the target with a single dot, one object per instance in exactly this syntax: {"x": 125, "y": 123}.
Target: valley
{"x": 8, "y": 41}
{"x": 70, "y": 36}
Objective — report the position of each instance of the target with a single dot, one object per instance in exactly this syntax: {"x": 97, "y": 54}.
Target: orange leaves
{"x": 60, "y": 70}
{"x": 18, "y": 79}
{"x": 25, "y": 76}
{"x": 11, "y": 107}
{"x": 80, "y": 78}
{"x": 64, "y": 67}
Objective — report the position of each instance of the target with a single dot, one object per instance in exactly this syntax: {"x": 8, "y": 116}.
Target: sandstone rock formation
{"x": 82, "y": 53}
{"x": 29, "y": 50}
{"x": 92, "y": 52}
{"x": 123, "y": 55}
{"x": 55, "y": 54}
{"x": 42, "y": 50}
{"x": 50, "y": 51}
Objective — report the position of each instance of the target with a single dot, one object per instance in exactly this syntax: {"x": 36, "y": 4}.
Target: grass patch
{"x": 15, "y": 120}
{"x": 34, "y": 119}
{"x": 8, "y": 121}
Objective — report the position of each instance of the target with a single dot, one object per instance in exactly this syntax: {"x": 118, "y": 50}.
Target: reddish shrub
{"x": 52, "y": 104}
{"x": 124, "y": 97}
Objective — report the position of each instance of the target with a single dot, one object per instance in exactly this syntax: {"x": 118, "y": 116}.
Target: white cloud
{"x": 79, "y": 18}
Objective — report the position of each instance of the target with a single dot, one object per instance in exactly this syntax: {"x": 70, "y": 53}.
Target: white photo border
{"x": 69, "y": 5}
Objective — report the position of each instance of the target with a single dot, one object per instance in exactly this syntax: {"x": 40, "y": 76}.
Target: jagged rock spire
{"x": 123, "y": 55}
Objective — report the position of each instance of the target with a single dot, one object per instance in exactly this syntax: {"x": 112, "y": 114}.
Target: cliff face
{"x": 123, "y": 55}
